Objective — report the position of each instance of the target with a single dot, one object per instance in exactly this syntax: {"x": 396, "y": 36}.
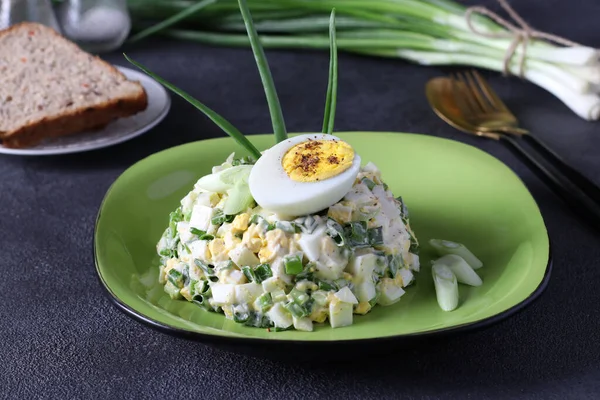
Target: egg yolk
{"x": 317, "y": 160}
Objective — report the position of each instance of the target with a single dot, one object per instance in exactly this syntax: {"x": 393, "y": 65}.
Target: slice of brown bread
{"x": 50, "y": 87}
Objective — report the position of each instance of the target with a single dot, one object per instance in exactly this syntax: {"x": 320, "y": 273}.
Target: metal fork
{"x": 483, "y": 108}
{"x": 489, "y": 113}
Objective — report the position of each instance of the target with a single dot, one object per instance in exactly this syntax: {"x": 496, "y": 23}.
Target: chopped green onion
{"x": 258, "y": 274}
{"x": 298, "y": 296}
{"x": 256, "y": 219}
{"x": 356, "y": 234}
{"x": 165, "y": 252}
{"x": 336, "y": 232}
{"x": 297, "y": 310}
{"x": 175, "y": 277}
{"x": 326, "y": 286}
{"x": 319, "y": 298}
{"x": 169, "y": 253}
{"x": 241, "y": 317}
{"x": 278, "y": 295}
{"x": 174, "y": 217}
{"x": 394, "y": 262}
{"x": 286, "y": 226}
{"x": 443, "y": 247}
{"x": 414, "y": 244}
{"x": 331, "y": 99}
{"x": 220, "y": 218}
{"x": 201, "y": 287}
{"x": 243, "y": 161}
{"x": 300, "y": 304}
{"x": 307, "y": 273}
{"x": 446, "y": 287}
{"x": 208, "y": 269}
{"x": 370, "y": 184}
{"x": 226, "y": 265}
{"x": 259, "y": 219}
{"x": 403, "y": 209}
{"x": 172, "y": 290}
{"x": 380, "y": 269}
{"x": 374, "y": 301}
{"x": 375, "y": 236}
{"x": 249, "y": 273}
{"x": 258, "y": 320}
{"x": 293, "y": 265}
{"x": 213, "y": 116}
{"x": 265, "y": 75}
{"x": 202, "y": 235}
{"x": 264, "y": 302}
{"x": 461, "y": 269}
{"x": 262, "y": 272}
{"x": 307, "y": 224}
{"x": 201, "y": 299}
{"x": 186, "y": 275}
{"x": 277, "y": 329}
{"x": 340, "y": 283}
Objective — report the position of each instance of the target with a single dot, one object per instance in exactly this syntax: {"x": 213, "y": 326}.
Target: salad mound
{"x": 225, "y": 253}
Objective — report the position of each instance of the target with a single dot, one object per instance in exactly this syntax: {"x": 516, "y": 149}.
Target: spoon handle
{"x": 579, "y": 202}
{"x": 586, "y": 185}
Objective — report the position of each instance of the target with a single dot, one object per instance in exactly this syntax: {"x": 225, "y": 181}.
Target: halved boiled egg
{"x": 304, "y": 174}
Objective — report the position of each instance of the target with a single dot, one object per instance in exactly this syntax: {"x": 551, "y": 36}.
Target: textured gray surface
{"x": 62, "y": 338}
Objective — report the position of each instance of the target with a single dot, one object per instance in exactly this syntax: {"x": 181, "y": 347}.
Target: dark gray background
{"x": 60, "y": 337}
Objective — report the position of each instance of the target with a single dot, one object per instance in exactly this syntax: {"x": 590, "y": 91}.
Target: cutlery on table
{"x": 468, "y": 103}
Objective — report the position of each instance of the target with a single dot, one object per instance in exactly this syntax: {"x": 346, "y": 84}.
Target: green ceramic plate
{"x": 453, "y": 191}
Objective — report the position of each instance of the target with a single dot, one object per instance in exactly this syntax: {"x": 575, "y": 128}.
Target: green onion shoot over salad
{"x": 331, "y": 100}
{"x": 298, "y": 235}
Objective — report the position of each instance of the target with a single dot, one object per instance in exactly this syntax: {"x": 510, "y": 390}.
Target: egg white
{"x": 275, "y": 191}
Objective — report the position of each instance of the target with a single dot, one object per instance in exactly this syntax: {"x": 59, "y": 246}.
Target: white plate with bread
{"x": 57, "y": 99}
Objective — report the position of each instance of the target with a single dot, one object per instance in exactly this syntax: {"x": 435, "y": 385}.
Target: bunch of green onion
{"x": 428, "y": 32}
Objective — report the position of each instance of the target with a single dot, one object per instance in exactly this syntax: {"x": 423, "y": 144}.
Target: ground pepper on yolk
{"x": 317, "y": 160}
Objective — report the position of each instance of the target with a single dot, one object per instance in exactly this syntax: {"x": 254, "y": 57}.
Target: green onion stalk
{"x": 427, "y": 32}
{"x": 232, "y": 179}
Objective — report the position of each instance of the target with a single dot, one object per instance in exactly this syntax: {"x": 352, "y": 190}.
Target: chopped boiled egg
{"x": 230, "y": 241}
{"x": 340, "y": 314}
{"x": 362, "y": 308}
{"x": 218, "y": 250}
{"x": 183, "y": 229}
{"x": 234, "y": 276}
{"x": 240, "y": 223}
{"x": 199, "y": 249}
{"x": 243, "y": 257}
{"x": 201, "y": 216}
{"x": 389, "y": 292}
